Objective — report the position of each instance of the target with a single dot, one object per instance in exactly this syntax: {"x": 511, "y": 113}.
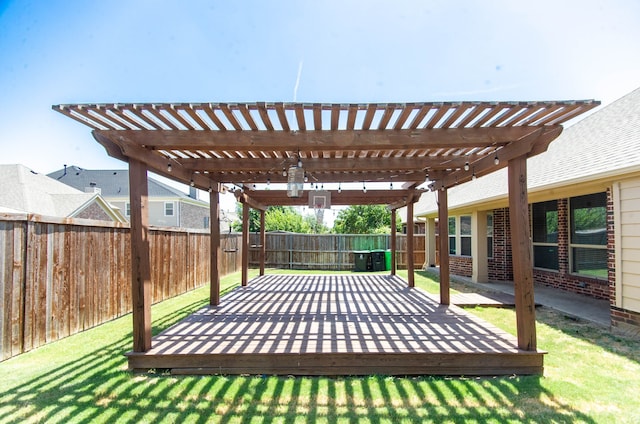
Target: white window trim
{"x": 173, "y": 208}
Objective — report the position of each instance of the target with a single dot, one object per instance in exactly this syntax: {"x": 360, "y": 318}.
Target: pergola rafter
{"x": 211, "y": 143}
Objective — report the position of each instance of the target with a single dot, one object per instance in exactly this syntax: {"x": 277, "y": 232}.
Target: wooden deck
{"x": 335, "y": 325}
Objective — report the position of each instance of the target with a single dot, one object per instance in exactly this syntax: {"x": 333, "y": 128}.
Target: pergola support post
{"x": 263, "y": 241}
{"x": 443, "y": 230}
{"x": 410, "y": 247}
{"x": 394, "y": 241}
{"x": 521, "y": 253}
{"x": 245, "y": 244}
{"x": 214, "y": 259}
{"x": 140, "y": 256}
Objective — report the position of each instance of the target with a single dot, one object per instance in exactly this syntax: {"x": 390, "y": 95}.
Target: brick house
{"x": 584, "y": 196}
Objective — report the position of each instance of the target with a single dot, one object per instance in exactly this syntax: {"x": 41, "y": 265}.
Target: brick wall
{"x": 625, "y": 320}
{"x": 461, "y": 265}
{"x": 94, "y": 211}
{"x": 500, "y": 267}
{"x": 192, "y": 216}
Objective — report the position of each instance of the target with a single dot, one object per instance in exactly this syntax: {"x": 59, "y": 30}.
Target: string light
{"x": 284, "y": 172}
{"x": 473, "y": 176}
{"x": 466, "y": 166}
{"x": 391, "y": 185}
{"x": 339, "y": 187}
{"x": 306, "y": 177}
{"x": 210, "y": 189}
{"x": 268, "y": 181}
{"x": 496, "y": 161}
{"x": 169, "y": 167}
{"x": 364, "y": 187}
{"x": 192, "y": 183}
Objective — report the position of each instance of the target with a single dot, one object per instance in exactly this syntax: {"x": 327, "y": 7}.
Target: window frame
{"x": 173, "y": 209}
{"x": 464, "y": 237}
{"x": 593, "y": 247}
{"x": 545, "y": 244}
{"x": 453, "y": 248}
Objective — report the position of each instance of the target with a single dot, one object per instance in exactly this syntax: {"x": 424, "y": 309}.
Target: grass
{"x": 590, "y": 376}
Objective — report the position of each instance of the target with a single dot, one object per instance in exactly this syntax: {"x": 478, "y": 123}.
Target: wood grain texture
{"x": 521, "y": 253}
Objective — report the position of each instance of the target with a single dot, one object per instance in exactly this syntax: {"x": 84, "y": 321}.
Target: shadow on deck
{"x": 335, "y": 325}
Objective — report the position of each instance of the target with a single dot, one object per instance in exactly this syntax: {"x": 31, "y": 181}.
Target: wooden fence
{"x": 62, "y": 276}
{"x": 328, "y": 251}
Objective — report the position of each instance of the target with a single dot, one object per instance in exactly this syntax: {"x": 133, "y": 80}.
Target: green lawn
{"x": 590, "y": 376}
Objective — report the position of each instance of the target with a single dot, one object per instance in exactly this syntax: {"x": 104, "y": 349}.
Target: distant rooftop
{"x": 111, "y": 182}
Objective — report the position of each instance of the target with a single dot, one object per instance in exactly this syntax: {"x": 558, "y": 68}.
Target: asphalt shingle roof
{"x": 112, "y": 183}
{"x": 27, "y": 191}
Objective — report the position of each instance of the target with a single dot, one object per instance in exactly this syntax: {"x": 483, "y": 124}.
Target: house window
{"x": 168, "y": 208}
{"x": 465, "y": 235}
{"x": 452, "y": 235}
{"x": 490, "y": 235}
{"x": 545, "y": 234}
{"x": 588, "y": 239}
{"x": 127, "y": 209}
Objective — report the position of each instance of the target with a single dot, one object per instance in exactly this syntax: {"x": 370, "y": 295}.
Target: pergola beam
{"x": 426, "y": 138}
{"x": 326, "y": 164}
{"x": 265, "y": 198}
{"x": 536, "y": 142}
{"x": 329, "y": 177}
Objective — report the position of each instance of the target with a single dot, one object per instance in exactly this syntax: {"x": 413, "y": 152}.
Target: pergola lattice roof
{"x": 210, "y": 143}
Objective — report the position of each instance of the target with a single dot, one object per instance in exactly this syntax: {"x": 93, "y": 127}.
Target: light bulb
{"x": 168, "y": 167}
{"x": 466, "y": 166}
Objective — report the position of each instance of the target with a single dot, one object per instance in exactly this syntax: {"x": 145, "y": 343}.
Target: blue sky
{"x": 69, "y": 51}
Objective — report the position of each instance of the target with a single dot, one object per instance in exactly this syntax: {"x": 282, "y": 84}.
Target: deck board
{"x": 335, "y": 324}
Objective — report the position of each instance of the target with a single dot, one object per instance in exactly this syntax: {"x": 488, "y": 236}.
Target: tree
{"x": 364, "y": 219}
{"x": 279, "y": 218}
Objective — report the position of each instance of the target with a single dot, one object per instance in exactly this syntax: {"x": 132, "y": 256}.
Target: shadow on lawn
{"x": 605, "y": 338}
{"x": 97, "y": 388}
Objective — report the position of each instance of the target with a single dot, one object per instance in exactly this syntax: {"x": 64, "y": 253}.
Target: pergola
{"x": 208, "y": 145}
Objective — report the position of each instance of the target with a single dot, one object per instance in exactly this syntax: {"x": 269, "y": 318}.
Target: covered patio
{"x": 404, "y": 145}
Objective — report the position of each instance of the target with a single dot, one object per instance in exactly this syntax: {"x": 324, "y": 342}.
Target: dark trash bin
{"x": 377, "y": 260}
{"x": 362, "y": 260}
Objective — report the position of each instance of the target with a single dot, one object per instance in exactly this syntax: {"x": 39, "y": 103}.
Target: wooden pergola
{"x": 208, "y": 145}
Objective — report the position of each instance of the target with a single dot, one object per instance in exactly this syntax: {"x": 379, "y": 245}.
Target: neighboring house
{"x": 584, "y": 195}
{"x": 25, "y": 191}
{"x": 168, "y": 206}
